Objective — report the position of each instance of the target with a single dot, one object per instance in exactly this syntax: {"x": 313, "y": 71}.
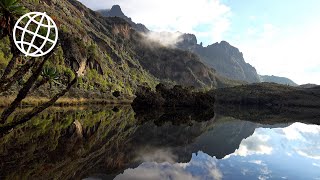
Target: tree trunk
{"x": 25, "y": 89}
{"x": 40, "y": 83}
{"x": 7, "y": 83}
{"x": 15, "y": 54}
{"x": 8, "y": 69}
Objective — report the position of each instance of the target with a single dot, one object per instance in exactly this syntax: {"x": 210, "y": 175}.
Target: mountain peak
{"x": 116, "y": 11}
{"x": 225, "y": 43}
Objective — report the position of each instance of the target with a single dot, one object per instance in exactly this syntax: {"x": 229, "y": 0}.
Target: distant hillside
{"x": 278, "y": 80}
{"x": 269, "y": 95}
{"x": 308, "y": 85}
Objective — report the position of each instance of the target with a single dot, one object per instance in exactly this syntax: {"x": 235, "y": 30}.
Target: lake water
{"x": 118, "y": 143}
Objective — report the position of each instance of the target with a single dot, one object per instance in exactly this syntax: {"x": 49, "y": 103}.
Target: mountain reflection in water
{"x": 109, "y": 142}
{"x": 281, "y": 153}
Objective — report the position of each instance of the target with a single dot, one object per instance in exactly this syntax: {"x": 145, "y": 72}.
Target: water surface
{"x": 118, "y": 143}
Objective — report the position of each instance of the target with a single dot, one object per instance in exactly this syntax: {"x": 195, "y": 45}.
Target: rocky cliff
{"x": 226, "y": 59}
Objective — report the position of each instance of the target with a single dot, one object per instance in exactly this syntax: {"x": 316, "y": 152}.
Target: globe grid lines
{"x": 24, "y": 46}
{"x": 36, "y": 32}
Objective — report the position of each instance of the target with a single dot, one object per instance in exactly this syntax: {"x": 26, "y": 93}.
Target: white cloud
{"x": 175, "y": 15}
{"x": 316, "y": 165}
{"x": 287, "y": 52}
{"x": 258, "y": 162}
{"x": 164, "y": 38}
{"x": 308, "y": 154}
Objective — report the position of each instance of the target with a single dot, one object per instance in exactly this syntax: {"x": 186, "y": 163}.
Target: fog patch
{"x": 167, "y": 39}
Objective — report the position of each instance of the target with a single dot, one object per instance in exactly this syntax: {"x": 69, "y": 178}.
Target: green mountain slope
{"x": 112, "y": 56}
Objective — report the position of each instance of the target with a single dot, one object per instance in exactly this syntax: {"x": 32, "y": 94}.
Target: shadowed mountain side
{"x": 183, "y": 67}
{"x": 226, "y": 59}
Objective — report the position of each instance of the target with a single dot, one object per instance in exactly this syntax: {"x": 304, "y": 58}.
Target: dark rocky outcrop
{"x": 172, "y": 97}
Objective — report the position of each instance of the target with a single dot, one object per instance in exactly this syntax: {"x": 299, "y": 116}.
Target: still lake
{"x": 118, "y": 143}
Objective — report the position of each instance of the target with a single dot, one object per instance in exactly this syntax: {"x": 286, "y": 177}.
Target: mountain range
{"x": 226, "y": 59}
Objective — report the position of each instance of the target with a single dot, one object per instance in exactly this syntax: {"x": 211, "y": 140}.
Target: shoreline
{"x": 33, "y": 101}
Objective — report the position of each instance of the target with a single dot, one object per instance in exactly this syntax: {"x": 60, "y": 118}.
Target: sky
{"x": 276, "y": 37}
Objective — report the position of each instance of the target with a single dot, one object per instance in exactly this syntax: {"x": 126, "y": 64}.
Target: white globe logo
{"x": 35, "y": 34}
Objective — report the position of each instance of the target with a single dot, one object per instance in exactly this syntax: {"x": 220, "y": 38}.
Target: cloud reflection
{"x": 279, "y": 153}
{"x": 201, "y": 166}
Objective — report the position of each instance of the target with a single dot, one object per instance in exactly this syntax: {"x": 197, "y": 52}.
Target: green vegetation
{"x": 9, "y": 10}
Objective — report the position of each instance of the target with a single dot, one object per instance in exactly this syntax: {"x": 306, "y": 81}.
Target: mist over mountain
{"x": 227, "y": 60}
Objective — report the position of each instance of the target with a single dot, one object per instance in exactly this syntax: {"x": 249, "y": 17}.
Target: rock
{"x": 146, "y": 98}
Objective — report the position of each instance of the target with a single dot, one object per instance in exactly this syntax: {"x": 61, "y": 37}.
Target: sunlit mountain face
{"x": 292, "y": 152}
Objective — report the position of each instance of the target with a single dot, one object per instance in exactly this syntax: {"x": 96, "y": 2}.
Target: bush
{"x": 69, "y": 73}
